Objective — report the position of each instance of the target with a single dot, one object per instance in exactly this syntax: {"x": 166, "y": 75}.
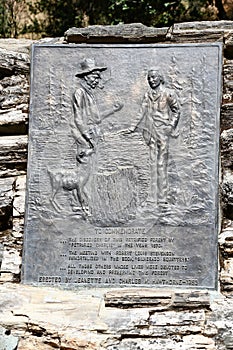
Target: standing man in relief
{"x": 159, "y": 116}
{"x": 87, "y": 118}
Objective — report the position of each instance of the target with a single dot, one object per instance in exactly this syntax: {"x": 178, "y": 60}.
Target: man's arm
{"x": 117, "y": 106}
{"x": 174, "y": 107}
{"x": 79, "y": 130}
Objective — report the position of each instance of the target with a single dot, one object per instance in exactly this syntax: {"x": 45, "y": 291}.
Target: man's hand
{"x": 117, "y": 106}
{"x": 168, "y": 130}
{"x": 128, "y": 131}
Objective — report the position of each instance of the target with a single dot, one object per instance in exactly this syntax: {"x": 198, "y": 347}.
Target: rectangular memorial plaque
{"x": 123, "y": 166}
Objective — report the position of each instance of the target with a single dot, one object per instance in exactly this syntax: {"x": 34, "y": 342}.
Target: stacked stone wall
{"x": 49, "y": 318}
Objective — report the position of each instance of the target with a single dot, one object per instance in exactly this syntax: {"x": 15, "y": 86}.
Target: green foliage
{"x": 11, "y": 12}
{"x": 151, "y": 13}
{"x": 54, "y": 17}
{"x": 199, "y": 10}
{"x": 3, "y": 23}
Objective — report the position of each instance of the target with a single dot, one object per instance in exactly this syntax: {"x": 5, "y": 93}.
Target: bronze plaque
{"x": 123, "y": 166}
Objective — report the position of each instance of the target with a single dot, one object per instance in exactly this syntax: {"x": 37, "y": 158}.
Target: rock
{"x": 18, "y": 228}
{"x": 204, "y": 31}
{"x": 226, "y": 248}
{"x": 11, "y": 262}
{"x": 221, "y": 317}
{"x": 17, "y": 45}
{"x": 228, "y": 82}
{"x": 32, "y": 343}
{"x": 76, "y": 344}
{"x": 7, "y": 341}
{"x": 13, "y": 155}
{"x": 227, "y": 183}
{"x": 198, "y": 342}
{"x": 50, "y": 308}
{"x": 229, "y": 46}
{"x": 191, "y": 299}
{"x": 13, "y": 122}
{"x": 227, "y": 116}
{"x": 1, "y": 254}
{"x": 19, "y": 197}
{"x": 204, "y": 25}
{"x": 227, "y": 148}
{"x": 6, "y": 202}
{"x": 14, "y": 93}
{"x": 226, "y": 241}
{"x": 80, "y": 320}
{"x": 177, "y": 343}
{"x": 13, "y": 63}
{"x": 227, "y": 273}
{"x": 138, "y": 298}
{"x": 135, "y": 32}
{"x": 161, "y": 300}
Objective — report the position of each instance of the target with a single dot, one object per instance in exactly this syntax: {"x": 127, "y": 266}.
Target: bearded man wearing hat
{"x": 85, "y": 125}
{"x": 86, "y": 112}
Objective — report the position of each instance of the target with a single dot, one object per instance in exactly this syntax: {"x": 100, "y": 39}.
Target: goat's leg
{"x": 82, "y": 198}
{"x": 55, "y": 188}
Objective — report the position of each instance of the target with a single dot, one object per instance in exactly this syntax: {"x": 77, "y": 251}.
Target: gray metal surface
{"x": 123, "y": 166}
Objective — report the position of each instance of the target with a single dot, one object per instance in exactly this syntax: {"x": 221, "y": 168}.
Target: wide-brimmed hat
{"x": 88, "y": 66}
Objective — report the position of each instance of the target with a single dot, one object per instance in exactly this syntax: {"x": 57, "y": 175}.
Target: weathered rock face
{"x": 44, "y": 318}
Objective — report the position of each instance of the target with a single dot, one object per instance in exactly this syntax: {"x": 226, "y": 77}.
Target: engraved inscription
{"x": 113, "y": 253}
{"x": 123, "y": 166}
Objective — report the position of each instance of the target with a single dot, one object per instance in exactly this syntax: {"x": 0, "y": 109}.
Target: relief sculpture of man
{"x": 159, "y": 116}
{"x": 87, "y": 118}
